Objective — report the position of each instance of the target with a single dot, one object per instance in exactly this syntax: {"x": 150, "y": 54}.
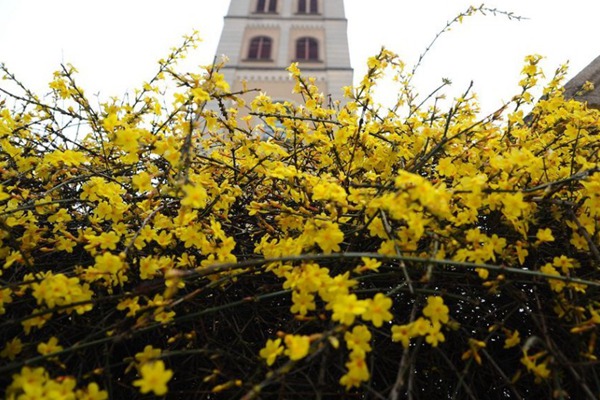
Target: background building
{"x": 575, "y": 87}
{"x": 262, "y": 38}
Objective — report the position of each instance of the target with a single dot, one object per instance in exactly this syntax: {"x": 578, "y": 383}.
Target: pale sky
{"x": 115, "y": 43}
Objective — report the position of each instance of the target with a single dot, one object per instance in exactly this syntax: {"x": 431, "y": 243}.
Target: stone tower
{"x": 262, "y": 38}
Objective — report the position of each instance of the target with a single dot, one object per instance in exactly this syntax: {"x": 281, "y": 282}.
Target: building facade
{"x": 261, "y": 38}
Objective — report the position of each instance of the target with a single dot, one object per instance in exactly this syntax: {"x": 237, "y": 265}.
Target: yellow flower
{"x": 297, "y": 346}
{"x": 377, "y": 310}
{"x": 564, "y": 263}
{"x": 154, "y": 378}
{"x": 402, "y": 333}
{"x": 540, "y": 370}
{"x": 329, "y": 237}
{"x": 92, "y": 392}
{"x": 369, "y": 264}
{"x": 514, "y": 205}
{"x": 108, "y": 240}
{"x": 191, "y": 236}
{"x": 338, "y": 286}
{"x": 49, "y": 347}
{"x": 346, "y": 308}
{"x": 149, "y": 354}
{"x": 142, "y": 182}
{"x": 544, "y": 235}
{"x": 329, "y": 191}
{"x": 131, "y": 304}
{"x": 522, "y": 253}
{"x": 555, "y": 284}
{"x": 482, "y": 272}
{"x": 5, "y": 298}
{"x": 61, "y": 215}
{"x": 110, "y": 122}
{"x": 127, "y": 139}
{"x": 271, "y": 351}
{"x": 512, "y": 339}
{"x": 110, "y": 268}
{"x": 357, "y": 372}
{"x": 446, "y": 167}
{"x": 149, "y": 267}
{"x": 435, "y": 336}
{"x": 420, "y": 327}
{"x": 200, "y": 95}
{"x": 436, "y": 310}
{"x": 579, "y": 242}
{"x": 12, "y": 349}
{"x": 3, "y": 194}
{"x": 195, "y": 196}
{"x": 358, "y": 340}
{"x": 303, "y": 302}
{"x": 473, "y": 352}
{"x": 164, "y": 239}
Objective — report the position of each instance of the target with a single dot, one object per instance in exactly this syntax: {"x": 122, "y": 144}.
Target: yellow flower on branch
{"x": 51, "y": 346}
{"x": 110, "y": 267}
{"x": 436, "y": 310}
{"x": 358, "y": 371}
{"x": 328, "y": 237}
{"x": 92, "y": 392}
{"x": 142, "y": 182}
{"x": 303, "y": 302}
{"x": 346, "y": 308}
{"x": 512, "y": 339}
{"x": 127, "y": 140}
{"x": 435, "y": 336}
{"x": 5, "y": 298}
{"x": 358, "y": 340}
{"x": 555, "y": 284}
{"x": 402, "y": 333}
{"x": 297, "y": 346}
{"x": 544, "y": 235}
{"x": 3, "y": 194}
{"x": 200, "y": 95}
{"x": 12, "y": 349}
{"x": 564, "y": 263}
{"x": 514, "y": 205}
{"x": 377, "y": 310}
{"x": 154, "y": 378}
{"x": 148, "y": 354}
{"x": 473, "y": 352}
{"x": 271, "y": 351}
{"x": 369, "y": 264}
{"x": 540, "y": 370}
{"x": 195, "y": 196}
{"x": 329, "y": 191}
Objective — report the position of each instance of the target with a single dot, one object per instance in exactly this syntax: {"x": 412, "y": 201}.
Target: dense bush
{"x": 203, "y": 247}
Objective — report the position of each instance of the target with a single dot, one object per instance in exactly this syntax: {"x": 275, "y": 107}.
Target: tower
{"x": 262, "y": 38}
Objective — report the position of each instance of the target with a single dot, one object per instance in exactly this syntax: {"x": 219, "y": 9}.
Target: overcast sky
{"x": 115, "y": 43}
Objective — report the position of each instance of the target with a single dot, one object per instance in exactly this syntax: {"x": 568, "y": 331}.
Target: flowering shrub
{"x": 191, "y": 243}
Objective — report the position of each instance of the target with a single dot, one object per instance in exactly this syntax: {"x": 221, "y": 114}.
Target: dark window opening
{"x": 308, "y": 7}
{"x": 266, "y": 6}
{"x": 307, "y": 49}
{"x": 260, "y": 48}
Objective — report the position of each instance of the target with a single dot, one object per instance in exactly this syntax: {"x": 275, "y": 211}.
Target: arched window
{"x": 307, "y": 48}
{"x": 260, "y": 48}
{"x": 308, "y": 7}
{"x": 266, "y": 6}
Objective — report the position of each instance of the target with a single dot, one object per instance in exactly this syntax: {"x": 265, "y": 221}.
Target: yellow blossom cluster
{"x": 35, "y": 383}
{"x": 264, "y": 248}
{"x": 435, "y": 316}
